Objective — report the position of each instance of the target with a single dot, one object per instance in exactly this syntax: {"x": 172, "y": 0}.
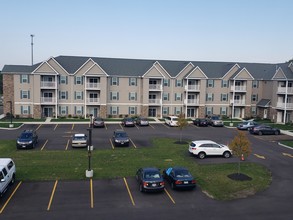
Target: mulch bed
{"x": 239, "y": 177}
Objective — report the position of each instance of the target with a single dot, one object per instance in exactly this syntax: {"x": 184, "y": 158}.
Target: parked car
{"x": 128, "y": 122}
{"x": 120, "y": 138}
{"x": 79, "y": 140}
{"x": 7, "y": 174}
{"x": 246, "y": 125}
{"x": 215, "y": 121}
{"x": 98, "y": 122}
{"x": 142, "y": 121}
{"x": 27, "y": 139}
{"x": 171, "y": 121}
{"x": 179, "y": 177}
{"x": 264, "y": 129}
{"x": 150, "y": 179}
{"x": 200, "y": 122}
{"x": 203, "y": 148}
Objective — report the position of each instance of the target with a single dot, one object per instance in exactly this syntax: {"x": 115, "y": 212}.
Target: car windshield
{"x": 121, "y": 135}
{"x": 26, "y": 135}
{"x": 79, "y": 138}
{"x": 215, "y": 118}
{"x": 152, "y": 175}
{"x": 182, "y": 173}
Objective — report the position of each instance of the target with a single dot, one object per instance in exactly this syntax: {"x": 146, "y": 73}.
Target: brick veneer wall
{"x": 8, "y": 93}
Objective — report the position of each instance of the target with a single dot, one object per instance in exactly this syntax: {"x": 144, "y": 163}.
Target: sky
{"x": 255, "y": 31}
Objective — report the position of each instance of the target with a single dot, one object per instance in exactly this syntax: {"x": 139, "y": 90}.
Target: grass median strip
{"x": 35, "y": 165}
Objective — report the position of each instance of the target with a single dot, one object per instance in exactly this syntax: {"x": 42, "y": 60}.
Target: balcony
{"x": 155, "y": 87}
{"x": 93, "y": 86}
{"x": 237, "y": 102}
{"x": 48, "y": 101}
{"x": 48, "y": 85}
{"x": 282, "y": 105}
{"x": 283, "y": 90}
{"x": 93, "y": 101}
{"x": 238, "y": 88}
{"x": 191, "y": 101}
{"x": 155, "y": 101}
{"x": 191, "y": 88}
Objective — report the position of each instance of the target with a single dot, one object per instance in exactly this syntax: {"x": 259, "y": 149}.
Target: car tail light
{"x": 145, "y": 183}
{"x": 162, "y": 183}
{"x": 178, "y": 182}
{"x": 193, "y": 181}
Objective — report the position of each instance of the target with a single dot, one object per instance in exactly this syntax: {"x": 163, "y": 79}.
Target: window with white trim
{"x": 178, "y": 82}
{"x": 132, "y": 96}
{"x": 224, "y": 97}
{"x": 132, "y": 110}
{"x": 78, "y": 80}
{"x": 24, "y": 78}
{"x": 132, "y": 81}
{"x": 78, "y": 95}
{"x": 253, "y": 110}
{"x": 165, "y": 110}
{"x": 177, "y": 110}
{"x": 114, "y": 81}
{"x": 114, "y": 96}
{"x": 165, "y": 96}
{"x": 63, "y": 95}
{"x": 178, "y": 96}
{"x": 210, "y": 97}
{"x": 25, "y": 94}
{"x": 25, "y": 110}
{"x": 63, "y": 110}
{"x": 63, "y": 79}
{"x": 209, "y": 110}
{"x": 210, "y": 83}
{"x": 114, "y": 110}
{"x": 78, "y": 110}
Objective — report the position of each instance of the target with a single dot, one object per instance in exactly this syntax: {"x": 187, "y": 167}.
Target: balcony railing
{"x": 155, "y": 101}
{"x": 238, "y": 88}
{"x": 93, "y": 86}
{"x": 91, "y": 101}
{"x": 237, "y": 102}
{"x": 156, "y": 87}
{"x": 48, "y": 100}
{"x": 283, "y": 90}
{"x": 48, "y": 84}
{"x": 192, "y": 87}
{"x": 283, "y": 105}
{"x": 191, "y": 101}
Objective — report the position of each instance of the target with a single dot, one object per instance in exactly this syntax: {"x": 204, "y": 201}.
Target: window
{"x": 63, "y": 110}
{"x": 63, "y": 79}
{"x": 63, "y": 95}
{"x": 114, "y": 110}
{"x": 24, "y": 94}
{"x": 167, "y": 82}
{"x": 114, "y": 81}
{"x": 132, "y": 110}
{"x": 78, "y": 95}
{"x": 177, "y": 111}
{"x": 25, "y": 110}
{"x": 210, "y": 83}
{"x": 166, "y": 96}
{"x": 78, "y": 80}
{"x": 178, "y": 83}
{"x": 224, "y": 83}
{"x": 132, "y": 81}
{"x": 224, "y": 97}
{"x": 223, "y": 110}
{"x": 209, "y": 110}
{"x": 24, "y": 78}
{"x": 78, "y": 110}
{"x": 114, "y": 95}
{"x": 255, "y": 84}
{"x": 132, "y": 96}
{"x": 210, "y": 97}
{"x": 253, "y": 110}
{"x": 178, "y": 96}
{"x": 165, "y": 110}
{"x": 254, "y": 98}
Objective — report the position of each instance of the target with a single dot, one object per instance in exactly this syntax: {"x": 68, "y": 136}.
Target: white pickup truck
{"x": 7, "y": 174}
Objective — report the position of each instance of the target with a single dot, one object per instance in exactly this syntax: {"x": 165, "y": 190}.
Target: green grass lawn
{"x": 36, "y": 165}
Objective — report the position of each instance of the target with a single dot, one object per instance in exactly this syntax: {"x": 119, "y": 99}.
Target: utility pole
{"x": 32, "y": 47}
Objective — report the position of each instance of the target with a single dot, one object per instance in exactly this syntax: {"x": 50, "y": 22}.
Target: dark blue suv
{"x": 27, "y": 139}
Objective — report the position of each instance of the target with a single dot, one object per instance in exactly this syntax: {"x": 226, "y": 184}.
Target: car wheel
{"x": 259, "y": 133}
{"x": 277, "y": 132}
{"x": 12, "y": 180}
{"x": 141, "y": 188}
{"x": 227, "y": 154}
{"x": 201, "y": 155}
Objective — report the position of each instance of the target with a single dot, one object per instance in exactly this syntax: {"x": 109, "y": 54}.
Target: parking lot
{"x": 120, "y": 198}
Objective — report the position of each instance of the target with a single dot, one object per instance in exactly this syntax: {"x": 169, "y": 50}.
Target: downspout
{"x": 85, "y": 97}
{"x": 56, "y": 97}
{"x": 186, "y": 99}
{"x": 161, "y": 101}
{"x": 285, "y": 109}
{"x": 232, "y": 113}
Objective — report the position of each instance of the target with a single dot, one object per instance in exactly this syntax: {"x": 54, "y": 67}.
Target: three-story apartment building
{"x": 112, "y": 87}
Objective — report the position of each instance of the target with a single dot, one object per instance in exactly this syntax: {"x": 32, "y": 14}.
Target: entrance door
{"x": 237, "y": 112}
{"x": 190, "y": 112}
{"x": 152, "y": 112}
{"x": 265, "y": 113}
{"x": 48, "y": 112}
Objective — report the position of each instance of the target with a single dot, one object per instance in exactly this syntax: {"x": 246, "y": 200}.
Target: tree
{"x": 240, "y": 147}
{"x": 182, "y": 123}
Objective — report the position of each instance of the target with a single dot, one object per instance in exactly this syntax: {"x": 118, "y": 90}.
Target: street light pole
{"x": 90, "y": 172}
{"x": 11, "y": 125}
{"x": 32, "y": 47}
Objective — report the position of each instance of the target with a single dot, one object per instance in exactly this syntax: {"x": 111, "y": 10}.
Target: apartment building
{"x": 112, "y": 87}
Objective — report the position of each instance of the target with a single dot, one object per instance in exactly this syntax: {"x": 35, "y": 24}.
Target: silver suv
{"x": 215, "y": 121}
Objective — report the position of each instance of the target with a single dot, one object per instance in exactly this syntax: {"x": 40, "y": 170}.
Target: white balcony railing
{"x": 283, "y": 90}
{"x": 48, "y": 84}
{"x": 93, "y": 85}
{"x": 282, "y": 105}
{"x": 237, "y": 102}
{"x": 48, "y": 100}
{"x": 191, "y": 101}
{"x": 155, "y": 101}
{"x": 93, "y": 100}
{"x": 155, "y": 87}
{"x": 192, "y": 87}
{"x": 238, "y": 88}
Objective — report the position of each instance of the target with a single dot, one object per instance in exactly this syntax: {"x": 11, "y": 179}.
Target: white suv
{"x": 205, "y": 148}
{"x": 172, "y": 121}
{"x": 7, "y": 174}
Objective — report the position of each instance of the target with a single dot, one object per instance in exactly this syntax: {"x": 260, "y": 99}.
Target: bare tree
{"x": 182, "y": 123}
